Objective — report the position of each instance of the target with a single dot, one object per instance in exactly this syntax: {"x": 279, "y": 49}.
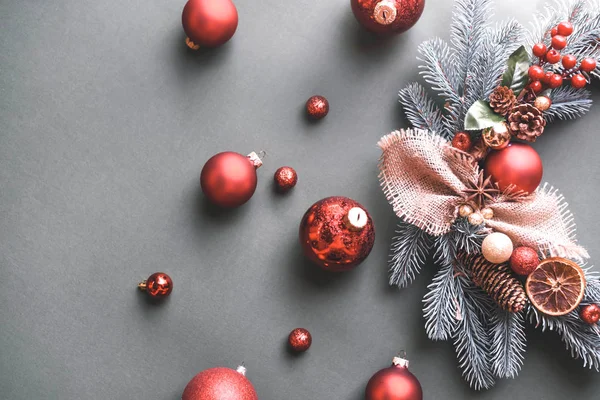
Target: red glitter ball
{"x": 300, "y": 339}
{"x": 220, "y": 384}
{"x": 158, "y": 284}
{"x": 317, "y": 107}
{"x": 285, "y": 178}
{"x": 524, "y": 260}
{"x": 462, "y": 141}
{"x": 590, "y": 314}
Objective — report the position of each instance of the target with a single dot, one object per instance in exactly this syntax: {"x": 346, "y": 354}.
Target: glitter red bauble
{"x": 394, "y": 383}
{"x": 518, "y": 164}
{"x": 229, "y": 179}
{"x": 220, "y": 384}
{"x": 462, "y": 141}
{"x": 209, "y": 23}
{"x": 524, "y": 260}
{"x": 157, "y": 285}
{"x": 387, "y": 16}
{"x": 590, "y": 314}
{"x": 299, "y": 339}
{"x": 285, "y": 179}
{"x": 317, "y": 107}
{"x": 337, "y": 233}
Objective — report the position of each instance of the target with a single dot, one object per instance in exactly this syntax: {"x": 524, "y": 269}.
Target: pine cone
{"x": 502, "y": 100}
{"x": 526, "y": 122}
{"x": 498, "y": 281}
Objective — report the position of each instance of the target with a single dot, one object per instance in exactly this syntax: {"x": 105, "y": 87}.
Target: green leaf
{"x": 481, "y": 116}
{"x": 517, "y": 72}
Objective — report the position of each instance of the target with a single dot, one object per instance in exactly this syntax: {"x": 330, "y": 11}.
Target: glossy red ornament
{"x": 555, "y": 81}
{"x": 569, "y": 61}
{"x": 317, "y": 107}
{"x": 285, "y": 179}
{"x": 578, "y": 81}
{"x": 559, "y": 42}
{"x": 552, "y": 56}
{"x": 539, "y": 50}
{"x": 157, "y": 285}
{"x": 524, "y": 260}
{"x": 564, "y": 28}
{"x": 590, "y": 314}
{"x": 394, "y": 383}
{"x": 220, "y": 384}
{"x": 300, "y": 340}
{"x": 387, "y": 16}
{"x": 588, "y": 64}
{"x": 337, "y": 233}
{"x": 518, "y": 164}
{"x": 462, "y": 141}
{"x": 536, "y": 72}
{"x": 209, "y": 23}
{"x": 229, "y": 179}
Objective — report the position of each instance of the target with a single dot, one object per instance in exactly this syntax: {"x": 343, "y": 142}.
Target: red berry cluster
{"x": 540, "y": 77}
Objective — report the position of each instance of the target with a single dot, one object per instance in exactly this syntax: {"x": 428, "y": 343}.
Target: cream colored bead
{"x": 476, "y": 219}
{"x": 497, "y": 248}
{"x": 487, "y": 213}
{"x": 465, "y": 210}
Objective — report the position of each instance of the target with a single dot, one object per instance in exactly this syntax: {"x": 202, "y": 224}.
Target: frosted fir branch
{"x": 421, "y": 110}
{"x": 508, "y": 343}
{"x": 410, "y": 249}
{"x": 568, "y": 103}
{"x": 467, "y": 237}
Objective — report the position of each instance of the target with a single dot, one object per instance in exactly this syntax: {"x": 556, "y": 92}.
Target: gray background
{"x": 105, "y": 122}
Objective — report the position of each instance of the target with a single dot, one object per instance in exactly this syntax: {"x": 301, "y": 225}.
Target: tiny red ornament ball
{"x": 555, "y": 81}
{"x": 564, "y": 28}
{"x": 578, "y": 81}
{"x": 229, "y": 179}
{"x": 569, "y": 61}
{"x": 590, "y": 314}
{"x": 209, "y": 23}
{"x": 462, "y": 141}
{"x": 387, "y": 16}
{"x": 524, "y": 260}
{"x": 540, "y": 50}
{"x": 300, "y": 340}
{"x": 337, "y": 233}
{"x": 317, "y": 107}
{"x": 518, "y": 166}
{"x": 220, "y": 384}
{"x": 285, "y": 179}
{"x": 552, "y": 56}
{"x": 157, "y": 285}
{"x": 394, "y": 383}
{"x": 588, "y": 64}
{"x": 559, "y": 42}
{"x": 536, "y": 72}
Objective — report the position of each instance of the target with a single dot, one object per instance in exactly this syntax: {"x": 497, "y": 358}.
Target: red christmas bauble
{"x": 317, "y": 107}
{"x": 157, "y": 285}
{"x": 518, "y": 166}
{"x": 387, "y": 16}
{"x": 524, "y": 260}
{"x": 220, "y": 384}
{"x": 209, "y": 23}
{"x": 285, "y": 179}
{"x": 229, "y": 179}
{"x": 337, "y": 233}
{"x": 394, "y": 383}
{"x": 590, "y": 314}
{"x": 300, "y": 340}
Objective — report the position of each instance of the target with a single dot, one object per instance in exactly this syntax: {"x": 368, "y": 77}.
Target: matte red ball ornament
{"x": 157, "y": 285}
{"x": 518, "y": 166}
{"x": 337, "y": 233}
{"x": 394, "y": 383}
{"x": 229, "y": 179}
{"x": 300, "y": 340}
{"x": 387, "y": 16}
{"x": 285, "y": 179}
{"x": 524, "y": 260}
{"x": 317, "y": 107}
{"x": 220, "y": 384}
{"x": 209, "y": 23}
{"x": 590, "y": 314}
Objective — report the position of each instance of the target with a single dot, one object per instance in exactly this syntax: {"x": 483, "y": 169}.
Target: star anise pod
{"x": 481, "y": 190}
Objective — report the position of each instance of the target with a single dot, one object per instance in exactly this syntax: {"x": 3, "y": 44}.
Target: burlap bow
{"x": 424, "y": 179}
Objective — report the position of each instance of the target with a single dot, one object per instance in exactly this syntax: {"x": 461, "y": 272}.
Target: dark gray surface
{"x": 105, "y": 122}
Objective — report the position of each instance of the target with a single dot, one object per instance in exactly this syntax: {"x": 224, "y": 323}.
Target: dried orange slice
{"x": 556, "y": 287}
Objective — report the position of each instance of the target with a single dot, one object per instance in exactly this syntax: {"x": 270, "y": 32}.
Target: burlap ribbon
{"x": 424, "y": 179}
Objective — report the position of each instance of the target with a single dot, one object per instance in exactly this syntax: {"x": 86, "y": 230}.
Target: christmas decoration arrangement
{"x": 465, "y": 183}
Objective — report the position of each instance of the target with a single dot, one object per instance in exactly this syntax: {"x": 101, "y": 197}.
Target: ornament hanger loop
{"x": 262, "y": 154}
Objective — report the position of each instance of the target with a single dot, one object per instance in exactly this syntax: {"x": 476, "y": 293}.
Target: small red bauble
{"x": 317, "y": 107}
{"x": 590, "y": 314}
{"x": 554, "y": 32}
{"x": 552, "y": 56}
{"x": 209, "y": 23}
{"x": 578, "y": 81}
{"x": 564, "y": 28}
{"x": 220, "y": 384}
{"x": 588, "y": 64}
{"x": 569, "y": 61}
{"x": 462, "y": 141}
{"x": 536, "y": 86}
{"x": 285, "y": 179}
{"x": 157, "y": 285}
{"x": 394, "y": 383}
{"x": 518, "y": 166}
{"x": 539, "y": 50}
{"x": 536, "y": 72}
{"x": 337, "y": 233}
{"x": 387, "y": 16}
{"x": 559, "y": 42}
{"x": 299, "y": 340}
{"x": 524, "y": 260}
{"x": 229, "y": 179}
{"x": 555, "y": 81}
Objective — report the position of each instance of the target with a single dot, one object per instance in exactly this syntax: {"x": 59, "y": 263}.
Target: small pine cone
{"x": 526, "y": 122}
{"x": 498, "y": 281}
{"x": 502, "y": 100}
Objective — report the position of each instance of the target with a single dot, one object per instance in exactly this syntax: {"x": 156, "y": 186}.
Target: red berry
{"x": 565, "y": 28}
{"x": 559, "y": 42}
{"x": 556, "y": 81}
{"x": 569, "y": 61}
{"x": 536, "y": 72}
{"x": 548, "y": 77}
{"x": 536, "y": 86}
{"x": 540, "y": 50}
{"x": 553, "y": 56}
{"x": 578, "y": 81}
{"x": 554, "y": 32}
{"x": 588, "y": 64}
